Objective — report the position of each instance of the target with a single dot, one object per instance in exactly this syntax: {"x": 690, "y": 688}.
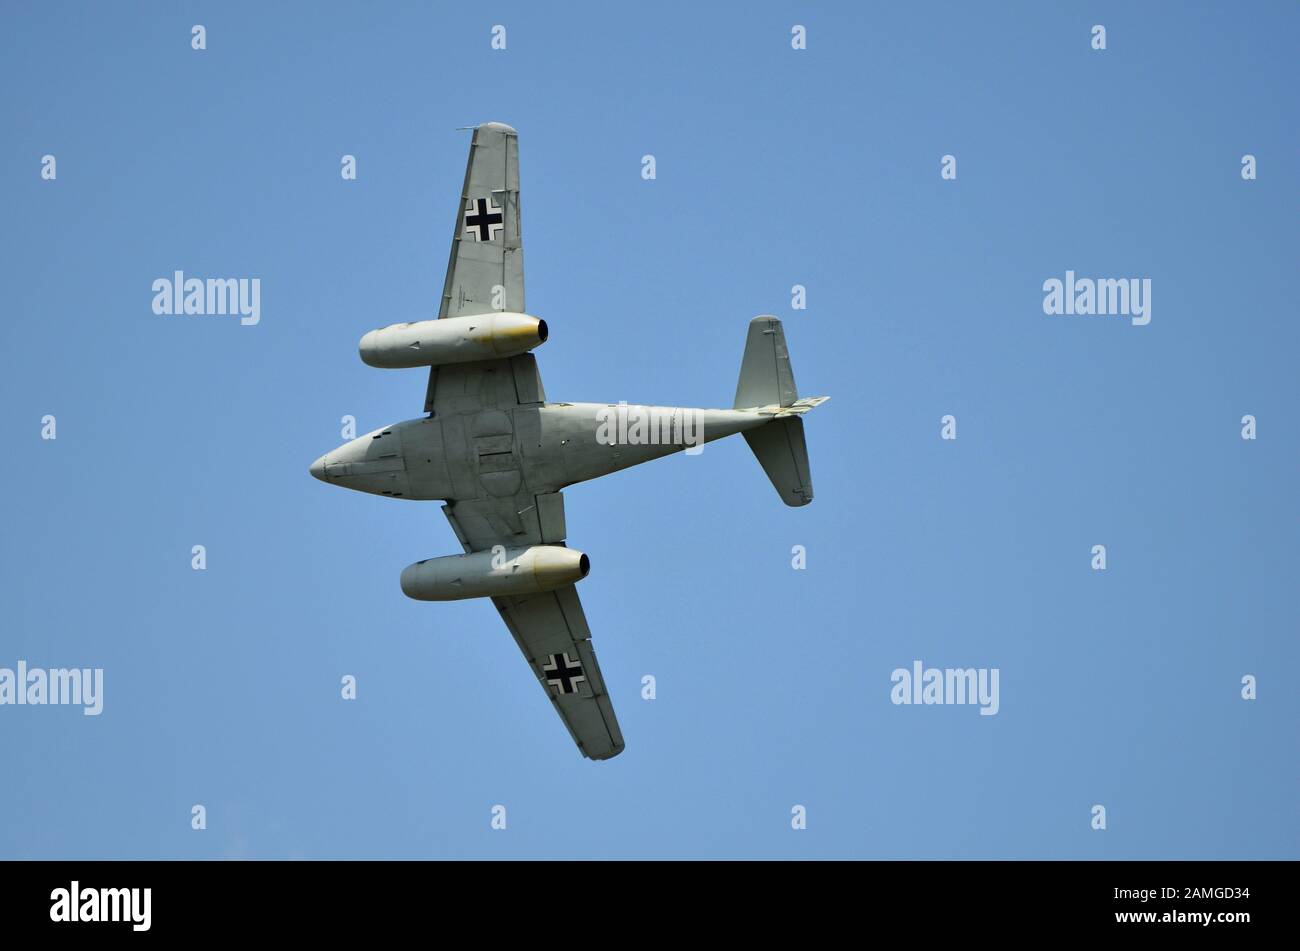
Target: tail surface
{"x": 767, "y": 385}
{"x": 765, "y": 375}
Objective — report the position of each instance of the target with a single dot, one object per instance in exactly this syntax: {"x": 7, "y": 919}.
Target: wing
{"x": 487, "y": 250}
{"x": 486, "y": 273}
{"x": 551, "y": 628}
{"x": 486, "y": 270}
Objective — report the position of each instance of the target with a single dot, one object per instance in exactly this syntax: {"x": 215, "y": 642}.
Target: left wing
{"x": 550, "y": 628}
{"x": 486, "y": 270}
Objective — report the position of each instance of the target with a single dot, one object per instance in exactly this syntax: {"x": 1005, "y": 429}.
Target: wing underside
{"x": 486, "y": 270}
{"x": 486, "y": 273}
{"x": 550, "y": 629}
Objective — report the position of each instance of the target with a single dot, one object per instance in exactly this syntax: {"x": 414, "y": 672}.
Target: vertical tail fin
{"x": 781, "y": 451}
{"x": 765, "y": 375}
{"x": 767, "y": 381}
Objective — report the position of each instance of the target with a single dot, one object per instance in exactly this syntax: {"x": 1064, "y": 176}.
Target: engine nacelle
{"x": 428, "y": 343}
{"x": 486, "y": 574}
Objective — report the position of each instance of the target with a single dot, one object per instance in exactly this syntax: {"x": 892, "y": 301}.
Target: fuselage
{"x": 541, "y": 448}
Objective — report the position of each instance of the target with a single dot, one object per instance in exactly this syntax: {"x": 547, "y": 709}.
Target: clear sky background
{"x": 775, "y": 167}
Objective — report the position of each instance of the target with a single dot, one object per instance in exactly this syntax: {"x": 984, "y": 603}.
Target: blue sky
{"x": 775, "y": 167}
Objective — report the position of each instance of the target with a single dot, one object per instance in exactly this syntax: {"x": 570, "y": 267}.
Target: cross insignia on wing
{"x": 563, "y": 674}
{"x": 483, "y": 219}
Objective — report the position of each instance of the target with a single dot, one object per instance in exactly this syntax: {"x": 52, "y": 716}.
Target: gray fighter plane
{"x": 498, "y": 453}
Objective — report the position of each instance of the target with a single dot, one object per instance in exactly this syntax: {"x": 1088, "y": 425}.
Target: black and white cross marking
{"x": 483, "y": 219}
{"x": 563, "y": 674}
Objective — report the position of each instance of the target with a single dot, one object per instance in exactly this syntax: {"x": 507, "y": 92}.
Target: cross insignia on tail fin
{"x": 483, "y": 219}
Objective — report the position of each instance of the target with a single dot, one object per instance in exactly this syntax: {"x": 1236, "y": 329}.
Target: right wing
{"x": 550, "y": 628}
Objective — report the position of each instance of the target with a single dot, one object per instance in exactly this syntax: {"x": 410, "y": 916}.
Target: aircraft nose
{"x": 318, "y": 468}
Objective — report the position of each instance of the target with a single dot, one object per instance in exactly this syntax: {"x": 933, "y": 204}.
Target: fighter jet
{"x": 499, "y": 454}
